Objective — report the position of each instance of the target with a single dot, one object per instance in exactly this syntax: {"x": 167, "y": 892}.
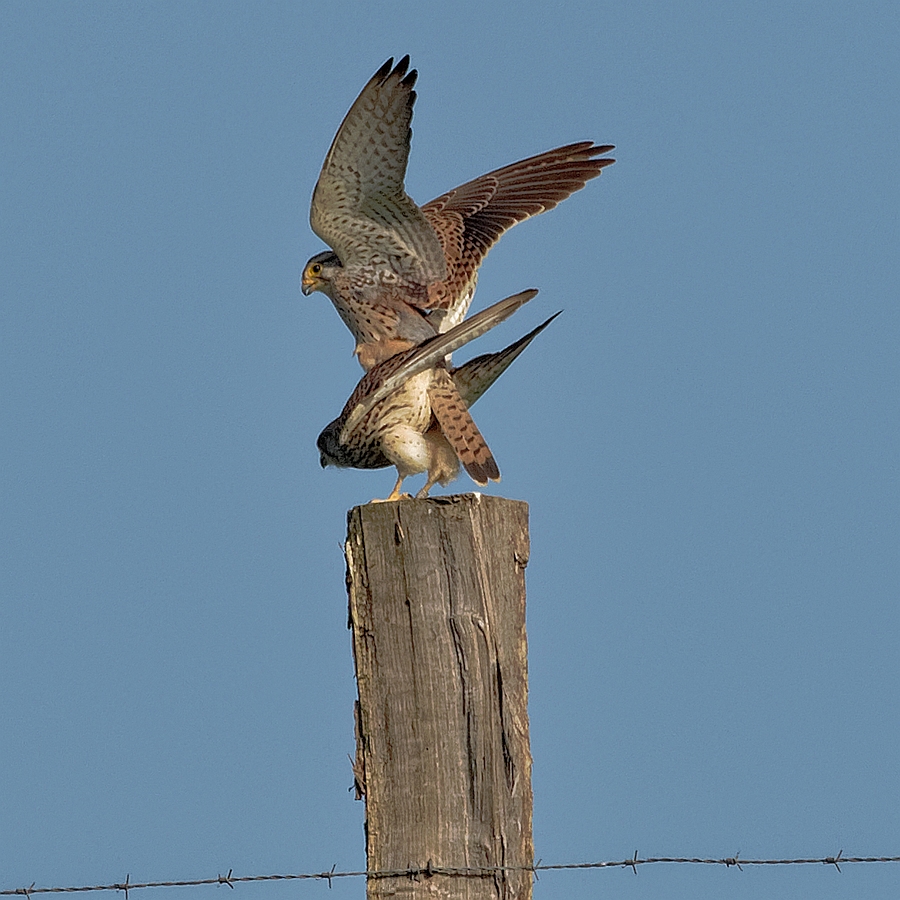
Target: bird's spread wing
{"x": 474, "y": 377}
{"x": 375, "y": 388}
{"x": 470, "y": 219}
{"x": 359, "y": 206}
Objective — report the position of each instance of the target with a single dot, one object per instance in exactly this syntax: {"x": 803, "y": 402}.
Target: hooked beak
{"x": 307, "y": 285}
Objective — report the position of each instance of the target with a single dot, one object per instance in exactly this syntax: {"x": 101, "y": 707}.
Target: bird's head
{"x": 318, "y": 272}
{"x": 329, "y": 444}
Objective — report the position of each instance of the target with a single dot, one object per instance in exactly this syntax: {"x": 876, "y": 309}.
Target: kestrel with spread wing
{"x": 412, "y": 412}
{"x": 397, "y": 273}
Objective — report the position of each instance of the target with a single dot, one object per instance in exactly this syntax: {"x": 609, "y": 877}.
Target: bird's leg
{"x": 394, "y": 494}
{"x": 443, "y": 466}
{"x": 422, "y": 494}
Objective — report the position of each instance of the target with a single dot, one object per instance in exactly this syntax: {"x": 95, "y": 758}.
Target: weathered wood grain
{"x": 437, "y": 609}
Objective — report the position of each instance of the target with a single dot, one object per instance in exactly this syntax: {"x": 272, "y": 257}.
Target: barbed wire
{"x": 430, "y": 870}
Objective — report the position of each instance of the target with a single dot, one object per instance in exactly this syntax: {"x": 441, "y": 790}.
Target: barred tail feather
{"x": 461, "y": 432}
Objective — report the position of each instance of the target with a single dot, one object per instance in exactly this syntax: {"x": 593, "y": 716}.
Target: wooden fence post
{"x": 437, "y": 610}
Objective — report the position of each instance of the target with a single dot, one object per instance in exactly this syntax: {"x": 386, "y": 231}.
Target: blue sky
{"x": 708, "y": 436}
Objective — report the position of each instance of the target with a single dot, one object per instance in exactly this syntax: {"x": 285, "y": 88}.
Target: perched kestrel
{"x": 397, "y": 273}
{"x": 411, "y": 411}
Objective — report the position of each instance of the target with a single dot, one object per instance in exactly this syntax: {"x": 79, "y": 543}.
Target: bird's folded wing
{"x": 433, "y": 352}
{"x": 474, "y": 377}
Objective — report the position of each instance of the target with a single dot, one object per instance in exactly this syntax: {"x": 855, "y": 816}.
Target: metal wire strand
{"x": 430, "y": 870}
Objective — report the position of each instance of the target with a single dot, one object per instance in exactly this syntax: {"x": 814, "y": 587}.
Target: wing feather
{"x": 471, "y": 218}
{"x": 360, "y": 207}
{"x": 385, "y": 378}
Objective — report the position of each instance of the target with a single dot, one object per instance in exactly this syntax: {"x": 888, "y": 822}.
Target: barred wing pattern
{"x": 359, "y": 206}
{"x": 471, "y": 218}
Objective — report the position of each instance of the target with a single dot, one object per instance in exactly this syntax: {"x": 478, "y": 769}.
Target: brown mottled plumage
{"x": 412, "y": 412}
{"x": 470, "y": 219}
{"x": 459, "y": 429}
{"x": 399, "y": 274}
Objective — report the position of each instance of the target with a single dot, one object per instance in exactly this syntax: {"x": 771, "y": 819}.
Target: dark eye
{"x": 316, "y": 268}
